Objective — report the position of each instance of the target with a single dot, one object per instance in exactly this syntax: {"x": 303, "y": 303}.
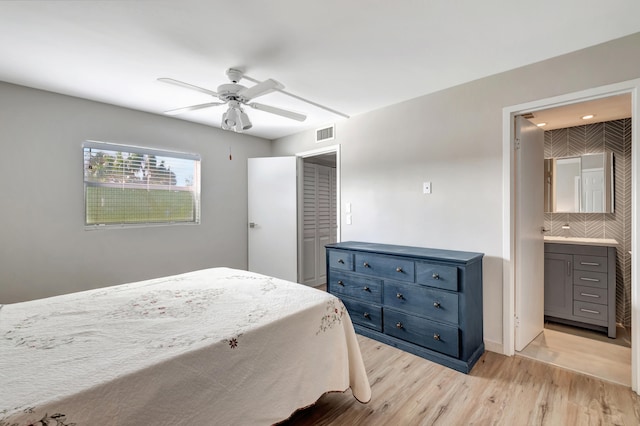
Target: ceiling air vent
{"x": 528, "y": 115}
{"x": 326, "y": 133}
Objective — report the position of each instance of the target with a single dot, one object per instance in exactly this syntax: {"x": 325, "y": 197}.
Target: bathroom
{"x": 605, "y": 228}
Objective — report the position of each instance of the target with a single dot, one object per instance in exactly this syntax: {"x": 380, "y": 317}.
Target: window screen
{"x": 128, "y": 185}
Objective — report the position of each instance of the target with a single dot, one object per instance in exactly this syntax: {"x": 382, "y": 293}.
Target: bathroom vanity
{"x": 580, "y": 282}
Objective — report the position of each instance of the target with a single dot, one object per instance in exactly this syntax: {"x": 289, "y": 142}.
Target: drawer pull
{"x": 436, "y": 305}
{"x": 366, "y": 265}
{"x": 436, "y": 336}
{"x": 435, "y": 276}
{"x": 365, "y": 288}
{"x": 398, "y": 325}
{"x": 590, "y": 263}
{"x": 590, "y": 311}
{"x": 367, "y": 315}
{"x": 341, "y": 283}
{"x": 399, "y": 296}
{"x": 341, "y": 261}
{"x": 595, "y": 280}
{"x": 399, "y": 269}
{"x": 590, "y": 295}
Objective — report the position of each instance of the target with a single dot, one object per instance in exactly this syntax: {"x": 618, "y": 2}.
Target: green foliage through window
{"x": 127, "y": 185}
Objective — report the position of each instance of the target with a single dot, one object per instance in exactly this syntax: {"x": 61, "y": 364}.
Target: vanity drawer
{"x": 590, "y": 263}
{"x": 590, "y": 294}
{"x": 590, "y": 279}
{"x": 431, "y": 303}
{"x": 590, "y": 310}
{"x": 441, "y": 276}
{"x": 385, "y": 266}
{"x": 340, "y": 260}
{"x": 426, "y": 333}
{"x": 366, "y": 315}
{"x": 364, "y": 288}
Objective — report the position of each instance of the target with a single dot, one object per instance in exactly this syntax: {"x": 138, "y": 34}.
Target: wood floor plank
{"x": 500, "y": 390}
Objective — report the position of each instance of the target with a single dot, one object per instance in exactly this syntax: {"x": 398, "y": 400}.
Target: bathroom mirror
{"x": 581, "y": 184}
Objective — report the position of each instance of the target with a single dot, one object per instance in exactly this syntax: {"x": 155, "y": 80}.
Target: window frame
{"x": 141, "y": 150}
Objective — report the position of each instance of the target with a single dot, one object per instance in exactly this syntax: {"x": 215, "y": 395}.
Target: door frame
{"x": 509, "y": 213}
{"x": 300, "y": 156}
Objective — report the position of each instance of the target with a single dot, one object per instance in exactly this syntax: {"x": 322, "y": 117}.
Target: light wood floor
{"x": 584, "y": 351}
{"x": 500, "y": 390}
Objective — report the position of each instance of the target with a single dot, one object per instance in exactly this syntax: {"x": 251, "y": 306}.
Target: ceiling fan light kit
{"x": 236, "y": 95}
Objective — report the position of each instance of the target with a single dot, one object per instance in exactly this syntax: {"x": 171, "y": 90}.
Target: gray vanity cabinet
{"x": 558, "y": 285}
{"x": 580, "y": 286}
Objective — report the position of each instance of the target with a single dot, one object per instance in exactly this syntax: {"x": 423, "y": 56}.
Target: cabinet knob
{"x": 398, "y": 325}
{"x": 341, "y": 261}
{"x": 399, "y": 269}
{"x": 366, "y": 264}
{"x": 436, "y": 336}
{"x": 436, "y": 305}
{"x": 399, "y": 296}
{"x": 365, "y": 288}
{"x": 366, "y": 315}
{"x": 435, "y": 276}
{"x": 341, "y": 283}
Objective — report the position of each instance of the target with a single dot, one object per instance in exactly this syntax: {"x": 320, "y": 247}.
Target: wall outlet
{"x": 426, "y": 187}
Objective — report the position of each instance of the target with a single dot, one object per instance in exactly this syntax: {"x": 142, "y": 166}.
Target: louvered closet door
{"x": 320, "y": 224}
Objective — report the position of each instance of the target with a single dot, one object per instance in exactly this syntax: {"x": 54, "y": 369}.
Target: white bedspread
{"x": 212, "y": 347}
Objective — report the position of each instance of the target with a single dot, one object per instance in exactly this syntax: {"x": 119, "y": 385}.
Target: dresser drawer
{"x": 590, "y": 294}
{"x": 590, "y": 279}
{"x": 364, "y": 314}
{"x": 435, "y": 304}
{"x": 441, "y": 276}
{"x": 385, "y": 266}
{"x": 590, "y": 263}
{"x": 426, "y": 333}
{"x": 590, "y": 310}
{"x": 364, "y": 288}
{"x": 339, "y": 259}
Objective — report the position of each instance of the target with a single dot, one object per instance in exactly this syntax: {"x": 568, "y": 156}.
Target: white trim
{"x": 508, "y": 242}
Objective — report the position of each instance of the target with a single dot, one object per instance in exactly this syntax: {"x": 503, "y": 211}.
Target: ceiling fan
{"x": 236, "y": 95}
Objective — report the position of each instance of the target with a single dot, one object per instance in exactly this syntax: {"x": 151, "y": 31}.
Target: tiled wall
{"x": 588, "y": 139}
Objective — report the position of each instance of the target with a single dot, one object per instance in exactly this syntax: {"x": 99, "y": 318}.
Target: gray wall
{"x": 614, "y": 136}
{"x": 452, "y": 138}
{"x": 44, "y": 249}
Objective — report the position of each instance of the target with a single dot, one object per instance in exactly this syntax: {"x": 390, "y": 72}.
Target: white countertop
{"x": 581, "y": 241}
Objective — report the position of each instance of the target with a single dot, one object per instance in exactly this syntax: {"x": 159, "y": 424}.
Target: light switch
{"x": 348, "y": 219}
{"x": 426, "y": 187}
{"x": 347, "y": 207}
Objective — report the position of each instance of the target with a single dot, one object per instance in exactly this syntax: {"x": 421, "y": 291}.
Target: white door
{"x": 272, "y": 213}
{"x": 529, "y": 241}
{"x": 319, "y": 226}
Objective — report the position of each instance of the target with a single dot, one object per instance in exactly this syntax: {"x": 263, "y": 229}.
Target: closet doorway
{"x": 318, "y": 206}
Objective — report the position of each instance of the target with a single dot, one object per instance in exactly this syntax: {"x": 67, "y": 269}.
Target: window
{"x": 128, "y": 185}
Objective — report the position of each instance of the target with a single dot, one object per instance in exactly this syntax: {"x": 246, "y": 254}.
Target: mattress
{"x": 216, "y": 346}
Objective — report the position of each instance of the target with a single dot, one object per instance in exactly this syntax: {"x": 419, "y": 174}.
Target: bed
{"x": 216, "y": 346}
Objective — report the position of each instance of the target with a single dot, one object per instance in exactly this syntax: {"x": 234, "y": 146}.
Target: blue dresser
{"x": 424, "y": 301}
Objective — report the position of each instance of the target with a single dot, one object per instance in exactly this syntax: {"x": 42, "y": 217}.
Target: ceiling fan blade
{"x": 279, "y": 111}
{"x": 260, "y": 89}
{"x": 188, "y": 86}
{"x": 192, "y": 108}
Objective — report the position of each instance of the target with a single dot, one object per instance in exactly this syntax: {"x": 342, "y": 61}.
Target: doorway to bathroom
{"x": 560, "y": 344}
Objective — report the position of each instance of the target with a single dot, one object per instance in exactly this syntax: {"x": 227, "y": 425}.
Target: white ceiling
{"x": 353, "y": 56}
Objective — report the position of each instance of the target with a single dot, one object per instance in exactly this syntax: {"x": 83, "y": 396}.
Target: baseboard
{"x": 492, "y": 346}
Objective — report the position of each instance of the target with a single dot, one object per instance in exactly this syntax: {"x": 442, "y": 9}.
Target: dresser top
{"x": 420, "y": 252}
